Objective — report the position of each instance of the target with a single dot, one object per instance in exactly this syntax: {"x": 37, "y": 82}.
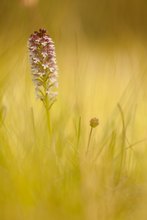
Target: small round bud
{"x": 94, "y": 122}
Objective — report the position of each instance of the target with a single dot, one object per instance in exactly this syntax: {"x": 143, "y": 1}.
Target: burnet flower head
{"x": 43, "y": 66}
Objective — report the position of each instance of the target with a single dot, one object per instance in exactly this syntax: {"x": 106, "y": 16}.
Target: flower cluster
{"x": 43, "y": 65}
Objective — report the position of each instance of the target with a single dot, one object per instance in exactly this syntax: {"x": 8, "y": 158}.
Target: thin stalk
{"x": 122, "y": 154}
{"x": 47, "y": 108}
{"x": 89, "y": 139}
{"x": 79, "y": 132}
{"x": 48, "y": 120}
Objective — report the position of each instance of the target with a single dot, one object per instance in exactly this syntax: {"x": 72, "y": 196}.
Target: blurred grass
{"x": 50, "y": 177}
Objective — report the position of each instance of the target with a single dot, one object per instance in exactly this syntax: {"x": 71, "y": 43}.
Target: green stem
{"x": 48, "y": 120}
{"x": 122, "y": 154}
{"x": 78, "y": 132}
{"x": 89, "y": 139}
{"x": 46, "y": 104}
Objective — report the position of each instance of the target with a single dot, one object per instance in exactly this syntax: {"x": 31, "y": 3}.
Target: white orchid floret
{"x": 36, "y": 60}
{"x": 45, "y": 66}
{"x": 44, "y": 54}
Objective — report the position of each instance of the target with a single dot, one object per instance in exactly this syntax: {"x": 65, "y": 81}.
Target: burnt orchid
{"x": 43, "y": 66}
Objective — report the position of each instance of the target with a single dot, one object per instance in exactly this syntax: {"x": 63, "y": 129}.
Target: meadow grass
{"x": 52, "y": 175}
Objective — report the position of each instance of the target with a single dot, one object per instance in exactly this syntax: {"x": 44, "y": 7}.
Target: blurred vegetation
{"x": 97, "y": 19}
{"x": 101, "y": 54}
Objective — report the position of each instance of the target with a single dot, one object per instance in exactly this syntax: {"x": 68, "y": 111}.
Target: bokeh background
{"x": 101, "y": 51}
{"x": 97, "y": 20}
{"x": 101, "y": 48}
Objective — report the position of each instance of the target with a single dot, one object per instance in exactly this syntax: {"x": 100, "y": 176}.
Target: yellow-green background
{"x": 101, "y": 54}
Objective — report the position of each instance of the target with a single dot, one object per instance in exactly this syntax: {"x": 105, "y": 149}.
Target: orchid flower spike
{"x": 43, "y": 66}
